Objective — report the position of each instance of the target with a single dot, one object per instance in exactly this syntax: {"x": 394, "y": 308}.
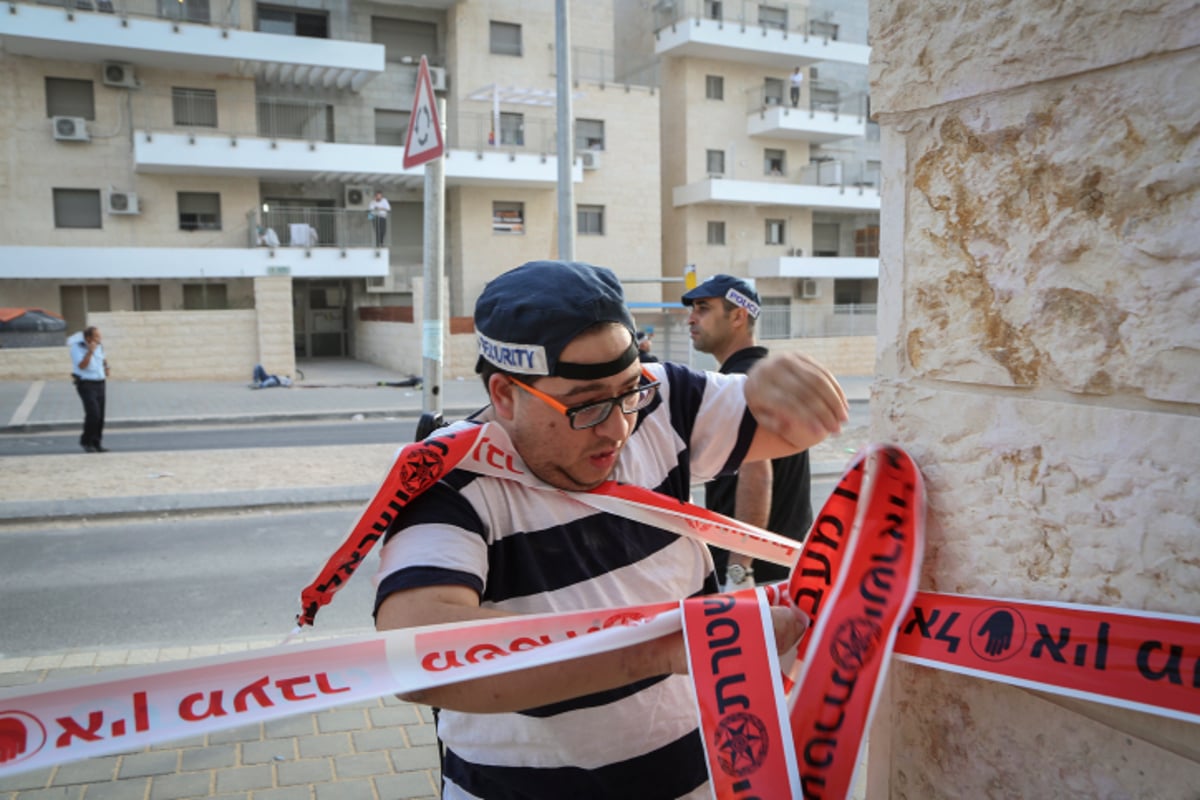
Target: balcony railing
{"x": 843, "y": 174}
{"x": 790, "y": 18}
{"x": 478, "y": 131}
{"x": 223, "y": 13}
{"x": 814, "y": 99}
{"x": 298, "y": 226}
{"x": 198, "y": 111}
{"x": 801, "y": 321}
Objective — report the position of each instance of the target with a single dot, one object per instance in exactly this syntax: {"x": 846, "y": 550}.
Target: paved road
{"x": 308, "y": 434}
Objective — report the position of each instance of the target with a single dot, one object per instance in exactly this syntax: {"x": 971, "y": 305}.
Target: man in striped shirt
{"x": 558, "y": 356}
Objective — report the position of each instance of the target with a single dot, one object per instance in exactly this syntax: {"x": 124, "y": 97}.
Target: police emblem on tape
{"x": 854, "y": 643}
{"x": 21, "y": 736}
{"x": 422, "y": 469}
{"x": 742, "y": 743}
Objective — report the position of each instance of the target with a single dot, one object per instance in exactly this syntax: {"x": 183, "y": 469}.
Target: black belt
{"x": 86, "y": 380}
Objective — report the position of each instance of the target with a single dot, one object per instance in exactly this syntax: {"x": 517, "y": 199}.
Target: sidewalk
{"x": 383, "y": 749}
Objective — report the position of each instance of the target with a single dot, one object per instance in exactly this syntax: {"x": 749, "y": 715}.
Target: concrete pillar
{"x": 276, "y": 342}
{"x": 1039, "y": 355}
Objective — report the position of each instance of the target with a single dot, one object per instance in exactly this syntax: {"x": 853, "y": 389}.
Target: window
{"x": 405, "y": 41}
{"x": 714, "y": 87}
{"x": 508, "y": 217}
{"x": 204, "y": 296}
{"x": 512, "y": 128}
{"x": 715, "y": 162}
{"x": 391, "y": 127}
{"x": 823, "y": 99}
{"x": 76, "y": 302}
{"x": 716, "y": 232}
{"x": 194, "y": 107}
{"x": 712, "y": 9}
{"x": 590, "y": 220}
{"x": 776, "y": 231}
{"x": 855, "y": 291}
{"x": 589, "y": 134}
{"x": 146, "y": 297}
{"x": 295, "y": 119}
{"x": 199, "y": 211}
{"x": 505, "y": 39}
{"x": 67, "y": 97}
{"x": 290, "y": 22}
{"x": 772, "y": 17}
{"x": 774, "y": 162}
{"x": 772, "y": 91}
{"x": 823, "y": 28}
{"x": 775, "y": 320}
{"x": 77, "y": 208}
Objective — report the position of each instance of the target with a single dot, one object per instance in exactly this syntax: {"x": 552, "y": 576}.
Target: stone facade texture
{"x": 1039, "y": 355}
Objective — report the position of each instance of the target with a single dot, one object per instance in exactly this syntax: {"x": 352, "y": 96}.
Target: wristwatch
{"x": 736, "y": 573}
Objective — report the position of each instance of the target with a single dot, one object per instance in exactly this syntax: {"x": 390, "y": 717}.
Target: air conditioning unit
{"x": 123, "y": 203}
{"x": 591, "y": 159}
{"x": 437, "y": 76}
{"x": 70, "y": 129}
{"x": 809, "y": 289}
{"x": 358, "y": 197}
{"x": 119, "y": 75}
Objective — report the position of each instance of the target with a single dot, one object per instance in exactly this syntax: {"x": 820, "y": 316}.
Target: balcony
{"x": 823, "y": 186}
{"x": 306, "y": 243}
{"x": 782, "y": 35}
{"x": 791, "y": 265}
{"x": 293, "y": 140}
{"x": 184, "y": 37}
{"x": 826, "y": 115}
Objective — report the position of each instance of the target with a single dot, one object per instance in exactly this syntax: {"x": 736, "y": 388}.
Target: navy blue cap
{"x": 727, "y": 287}
{"x": 526, "y": 317}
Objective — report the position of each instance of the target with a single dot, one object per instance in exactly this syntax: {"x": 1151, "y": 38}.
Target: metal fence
{"x": 801, "y": 321}
{"x": 820, "y": 98}
{"x": 300, "y": 226}
{"x": 223, "y": 13}
{"x": 478, "y": 131}
{"x": 789, "y": 18}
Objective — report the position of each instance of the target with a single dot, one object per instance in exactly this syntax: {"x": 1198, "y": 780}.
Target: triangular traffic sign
{"x": 424, "y": 140}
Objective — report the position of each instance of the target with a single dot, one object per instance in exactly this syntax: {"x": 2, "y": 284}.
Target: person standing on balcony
{"x": 797, "y": 81}
{"x": 378, "y": 212}
{"x": 89, "y": 370}
{"x": 775, "y": 494}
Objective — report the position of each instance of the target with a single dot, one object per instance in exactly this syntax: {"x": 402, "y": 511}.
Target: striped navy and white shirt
{"x": 530, "y": 551}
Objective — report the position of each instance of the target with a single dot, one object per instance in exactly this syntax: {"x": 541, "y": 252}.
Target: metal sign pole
{"x": 433, "y": 335}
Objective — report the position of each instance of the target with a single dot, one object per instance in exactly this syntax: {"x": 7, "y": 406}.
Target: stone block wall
{"x": 1039, "y": 355}
{"x": 180, "y": 345}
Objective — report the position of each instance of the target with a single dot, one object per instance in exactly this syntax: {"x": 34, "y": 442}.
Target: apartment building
{"x": 757, "y": 185}
{"x": 193, "y": 175}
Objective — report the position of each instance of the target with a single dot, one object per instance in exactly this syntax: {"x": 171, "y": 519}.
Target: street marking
{"x": 23, "y": 411}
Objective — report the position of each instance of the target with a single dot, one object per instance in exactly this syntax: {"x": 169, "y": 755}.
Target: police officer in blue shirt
{"x": 89, "y": 371}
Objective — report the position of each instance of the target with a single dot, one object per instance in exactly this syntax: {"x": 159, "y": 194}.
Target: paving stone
{"x": 91, "y": 770}
{"x": 266, "y": 752}
{"x": 177, "y": 787}
{"x": 118, "y": 790}
{"x": 209, "y": 758}
{"x": 332, "y": 721}
{"x": 346, "y": 790}
{"x": 406, "y": 785}
{"x": 36, "y": 779}
{"x": 179, "y": 744}
{"x": 420, "y": 734}
{"x": 56, "y": 793}
{"x": 335, "y": 744}
{"x": 301, "y": 725}
{"x": 411, "y": 758}
{"x": 286, "y": 793}
{"x": 155, "y": 762}
{"x": 245, "y": 778}
{"x": 377, "y": 739}
{"x": 394, "y": 716}
{"x": 309, "y": 770}
{"x": 246, "y": 733}
{"x": 362, "y": 765}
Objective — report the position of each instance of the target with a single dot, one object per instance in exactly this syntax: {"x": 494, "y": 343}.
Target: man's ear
{"x": 501, "y": 391}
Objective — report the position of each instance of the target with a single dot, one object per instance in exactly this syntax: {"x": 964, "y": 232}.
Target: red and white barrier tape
{"x": 855, "y": 577}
